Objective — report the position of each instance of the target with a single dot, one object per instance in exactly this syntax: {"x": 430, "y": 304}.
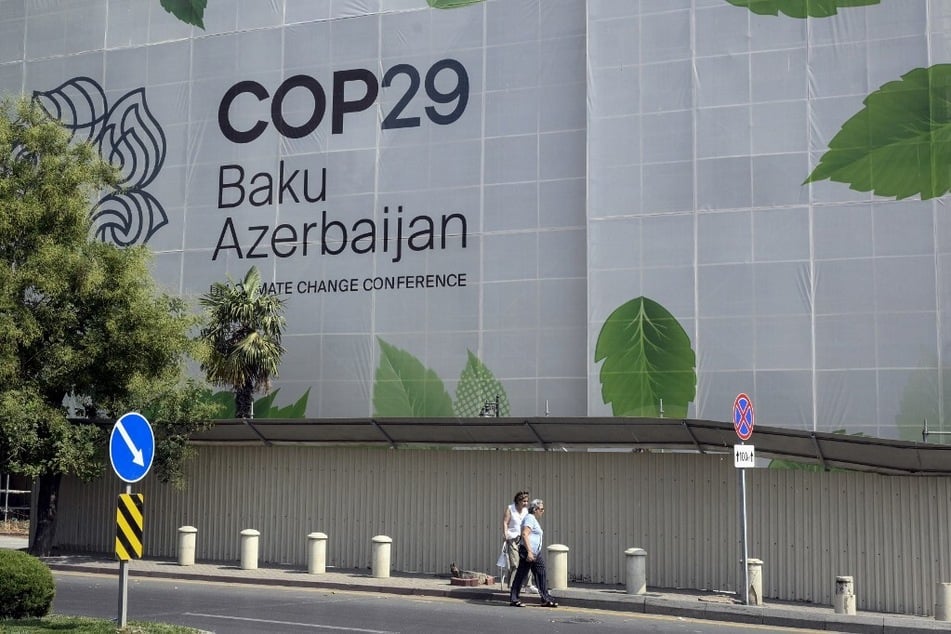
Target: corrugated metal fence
{"x": 893, "y": 533}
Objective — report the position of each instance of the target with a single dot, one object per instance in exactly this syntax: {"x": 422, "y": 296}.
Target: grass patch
{"x": 83, "y": 625}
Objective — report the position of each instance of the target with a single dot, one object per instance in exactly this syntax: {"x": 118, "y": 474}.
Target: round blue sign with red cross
{"x": 743, "y": 416}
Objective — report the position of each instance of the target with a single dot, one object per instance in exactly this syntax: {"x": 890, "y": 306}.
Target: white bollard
{"x": 317, "y": 553}
{"x": 381, "y": 556}
{"x": 755, "y": 573}
{"x": 636, "y": 570}
{"x": 844, "y": 599}
{"x": 249, "y": 549}
{"x": 187, "y": 536}
{"x": 942, "y": 602}
{"x": 557, "y": 565}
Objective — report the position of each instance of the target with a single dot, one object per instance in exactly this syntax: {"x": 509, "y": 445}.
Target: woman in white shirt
{"x": 511, "y": 529}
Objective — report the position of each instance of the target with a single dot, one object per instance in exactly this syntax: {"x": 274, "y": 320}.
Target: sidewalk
{"x": 684, "y": 603}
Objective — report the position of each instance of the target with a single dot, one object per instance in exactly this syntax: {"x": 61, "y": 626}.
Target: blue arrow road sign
{"x": 131, "y": 447}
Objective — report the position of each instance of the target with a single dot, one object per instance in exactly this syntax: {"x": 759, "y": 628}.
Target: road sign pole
{"x": 124, "y": 582}
{"x": 743, "y": 422}
{"x": 131, "y": 450}
{"x": 743, "y": 541}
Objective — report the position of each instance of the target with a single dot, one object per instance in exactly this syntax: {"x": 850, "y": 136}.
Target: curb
{"x": 462, "y": 592}
{"x": 770, "y": 616}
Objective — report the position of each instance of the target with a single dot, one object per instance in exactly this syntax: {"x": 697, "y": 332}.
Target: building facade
{"x": 576, "y": 207}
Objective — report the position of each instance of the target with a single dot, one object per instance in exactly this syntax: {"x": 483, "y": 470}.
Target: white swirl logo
{"x": 129, "y": 137}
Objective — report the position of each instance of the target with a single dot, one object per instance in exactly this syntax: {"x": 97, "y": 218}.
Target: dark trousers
{"x": 537, "y": 568}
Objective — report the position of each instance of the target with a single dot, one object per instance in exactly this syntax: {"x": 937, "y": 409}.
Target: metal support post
{"x": 124, "y": 582}
{"x": 743, "y": 524}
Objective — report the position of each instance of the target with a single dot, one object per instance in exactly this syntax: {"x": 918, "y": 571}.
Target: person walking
{"x": 531, "y": 558}
{"x": 511, "y": 530}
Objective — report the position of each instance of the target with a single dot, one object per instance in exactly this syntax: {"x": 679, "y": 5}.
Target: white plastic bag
{"x": 503, "y": 561}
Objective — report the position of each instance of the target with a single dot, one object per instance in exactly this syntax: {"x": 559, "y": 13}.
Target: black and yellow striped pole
{"x": 129, "y": 525}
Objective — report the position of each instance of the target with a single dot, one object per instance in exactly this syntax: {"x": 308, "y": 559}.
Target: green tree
{"x": 85, "y": 334}
{"x": 242, "y": 337}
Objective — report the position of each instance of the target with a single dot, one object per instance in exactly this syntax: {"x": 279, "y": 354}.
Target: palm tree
{"x": 242, "y": 337}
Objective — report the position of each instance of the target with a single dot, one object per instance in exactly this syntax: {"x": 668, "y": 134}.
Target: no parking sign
{"x": 743, "y": 417}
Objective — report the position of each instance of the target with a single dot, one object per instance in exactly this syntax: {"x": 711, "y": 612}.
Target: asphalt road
{"x": 246, "y": 609}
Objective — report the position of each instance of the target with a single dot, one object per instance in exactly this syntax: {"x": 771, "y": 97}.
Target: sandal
{"x": 549, "y": 604}
{"x": 517, "y": 604}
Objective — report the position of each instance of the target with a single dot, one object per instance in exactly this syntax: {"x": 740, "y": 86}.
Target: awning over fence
{"x": 825, "y": 449}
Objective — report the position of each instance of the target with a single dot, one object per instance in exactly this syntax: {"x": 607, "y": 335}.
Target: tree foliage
{"x": 85, "y": 334}
{"x": 242, "y": 338}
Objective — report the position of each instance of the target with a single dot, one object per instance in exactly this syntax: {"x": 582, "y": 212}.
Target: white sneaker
{"x": 531, "y": 589}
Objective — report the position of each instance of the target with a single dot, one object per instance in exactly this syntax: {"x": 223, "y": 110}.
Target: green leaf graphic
{"x": 451, "y": 4}
{"x": 478, "y": 386}
{"x": 898, "y": 145}
{"x": 188, "y": 11}
{"x": 295, "y": 410}
{"x": 647, "y": 358}
{"x": 263, "y": 407}
{"x": 800, "y": 8}
{"x": 225, "y": 403}
{"x": 406, "y": 388}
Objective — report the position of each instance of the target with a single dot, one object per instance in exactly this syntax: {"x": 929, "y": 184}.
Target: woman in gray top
{"x": 532, "y": 558}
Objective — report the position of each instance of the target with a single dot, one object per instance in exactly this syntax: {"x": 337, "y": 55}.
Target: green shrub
{"x": 26, "y": 586}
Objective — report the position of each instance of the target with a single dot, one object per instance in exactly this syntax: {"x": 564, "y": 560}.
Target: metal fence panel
{"x": 439, "y": 506}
